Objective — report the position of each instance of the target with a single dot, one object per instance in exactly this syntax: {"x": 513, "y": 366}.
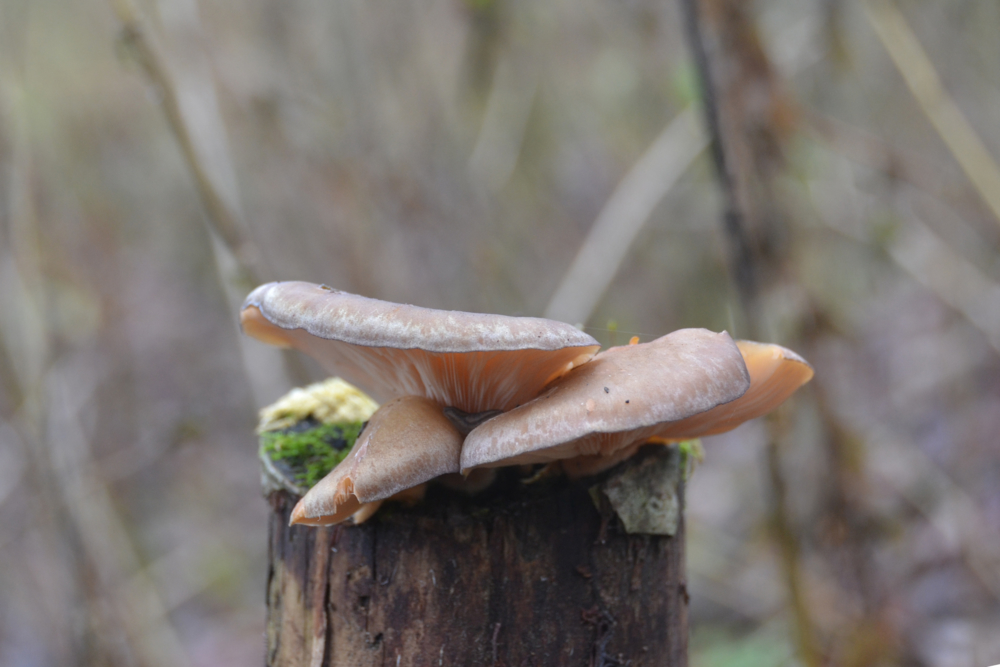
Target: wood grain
{"x": 522, "y": 575}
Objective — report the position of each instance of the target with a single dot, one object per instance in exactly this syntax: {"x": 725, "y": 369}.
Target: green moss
{"x": 692, "y": 453}
{"x": 310, "y": 450}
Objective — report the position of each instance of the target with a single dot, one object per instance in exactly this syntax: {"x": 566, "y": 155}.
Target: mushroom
{"x": 407, "y": 442}
{"x": 688, "y": 383}
{"x": 469, "y": 361}
{"x": 464, "y": 368}
{"x": 775, "y": 374}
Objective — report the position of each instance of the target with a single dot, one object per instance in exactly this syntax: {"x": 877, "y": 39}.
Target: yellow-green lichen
{"x": 332, "y": 401}
{"x": 692, "y": 453}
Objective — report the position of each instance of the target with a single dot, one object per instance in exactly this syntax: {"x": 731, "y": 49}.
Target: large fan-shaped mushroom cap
{"x": 470, "y": 361}
{"x": 622, "y": 396}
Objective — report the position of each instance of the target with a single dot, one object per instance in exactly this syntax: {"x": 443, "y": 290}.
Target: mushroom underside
{"x": 471, "y": 391}
{"x": 470, "y": 361}
{"x": 472, "y": 382}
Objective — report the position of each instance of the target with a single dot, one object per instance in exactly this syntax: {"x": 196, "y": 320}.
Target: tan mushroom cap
{"x": 622, "y": 396}
{"x": 365, "y": 511}
{"x": 775, "y": 374}
{"x": 471, "y": 361}
{"x": 407, "y": 442}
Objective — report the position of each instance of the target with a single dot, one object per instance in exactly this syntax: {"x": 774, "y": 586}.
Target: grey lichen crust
{"x": 646, "y": 494}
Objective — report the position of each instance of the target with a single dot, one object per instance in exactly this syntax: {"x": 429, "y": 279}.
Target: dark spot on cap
{"x": 626, "y": 401}
{"x": 607, "y": 391}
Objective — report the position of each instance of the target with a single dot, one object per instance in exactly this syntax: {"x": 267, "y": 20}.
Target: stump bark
{"x": 524, "y": 574}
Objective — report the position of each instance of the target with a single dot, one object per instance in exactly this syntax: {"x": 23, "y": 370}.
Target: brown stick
{"x": 522, "y": 575}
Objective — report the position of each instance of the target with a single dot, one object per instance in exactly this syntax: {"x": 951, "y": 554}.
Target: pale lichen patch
{"x": 645, "y": 494}
{"x": 332, "y": 401}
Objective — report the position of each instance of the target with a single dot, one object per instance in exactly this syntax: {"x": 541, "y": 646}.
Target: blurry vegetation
{"x": 456, "y": 154}
{"x": 717, "y": 648}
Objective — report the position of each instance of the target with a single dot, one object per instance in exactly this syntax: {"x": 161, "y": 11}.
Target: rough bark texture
{"x": 522, "y": 575}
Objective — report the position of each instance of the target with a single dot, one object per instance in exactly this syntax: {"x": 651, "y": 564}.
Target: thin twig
{"x": 740, "y": 252}
{"x": 224, "y": 221}
{"x": 623, "y": 217}
{"x": 744, "y": 271}
{"x": 237, "y": 263}
{"x": 924, "y": 83}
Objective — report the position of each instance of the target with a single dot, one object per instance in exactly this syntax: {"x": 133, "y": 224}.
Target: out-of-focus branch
{"x": 874, "y": 152}
{"x": 850, "y": 530}
{"x": 224, "y": 221}
{"x": 23, "y": 331}
{"x": 515, "y": 84}
{"x": 786, "y": 540}
{"x": 99, "y": 527}
{"x": 237, "y": 262}
{"x": 956, "y": 282}
{"x": 948, "y": 120}
{"x": 738, "y": 242}
{"x": 744, "y": 59}
{"x": 953, "y": 513}
{"x": 66, "y": 489}
{"x": 919, "y": 252}
{"x": 623, "y": 216}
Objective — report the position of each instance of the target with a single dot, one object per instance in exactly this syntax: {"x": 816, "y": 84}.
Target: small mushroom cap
{"x": 365, "y": 511}
{"x": 408, "y": 441}
{"x": 471, "y": 361}
{"x": 775, "y": 373}
{"x": 621, "y": 397}
{"x": 344, "y": 511}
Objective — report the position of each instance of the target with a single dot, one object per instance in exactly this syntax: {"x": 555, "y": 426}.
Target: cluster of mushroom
{"x": 463, "y": 392}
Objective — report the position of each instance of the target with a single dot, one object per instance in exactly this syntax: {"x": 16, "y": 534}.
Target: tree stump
{"x": 543, "y": 573}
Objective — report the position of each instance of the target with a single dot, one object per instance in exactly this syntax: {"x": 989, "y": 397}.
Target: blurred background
{"x": 522, "y": 157}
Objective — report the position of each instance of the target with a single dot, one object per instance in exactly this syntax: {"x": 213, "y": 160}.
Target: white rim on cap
{"x": 471, "y": 361}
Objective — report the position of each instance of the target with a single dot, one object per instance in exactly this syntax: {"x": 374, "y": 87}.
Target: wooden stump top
{"x": 524, "y": 574}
